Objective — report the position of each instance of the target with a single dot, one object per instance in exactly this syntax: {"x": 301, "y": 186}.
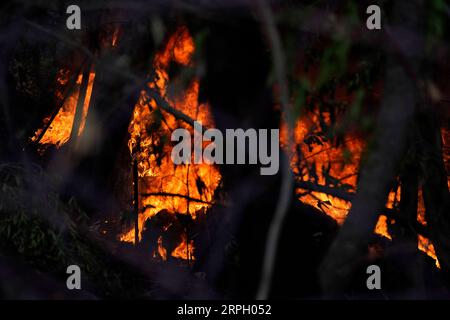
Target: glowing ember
{"x": 394, "y": 198}
{"x": 392, "y": 202}
{"x": 184, "y": 189}
{"x": 59, "y": 130}
{"x": 115, "y": 36}
{"x": 421, "y": 209}
{"x": 161, "y": 250}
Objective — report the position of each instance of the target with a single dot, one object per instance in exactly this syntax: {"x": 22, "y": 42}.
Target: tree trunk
{"x": 347, "y": 252}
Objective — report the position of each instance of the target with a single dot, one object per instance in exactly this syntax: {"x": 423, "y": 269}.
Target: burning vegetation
{"x": 58, "y": 127}
{"x": 163, "y": 186}
{"x": 125, "y": 193}
{"x": 324, "y": 164}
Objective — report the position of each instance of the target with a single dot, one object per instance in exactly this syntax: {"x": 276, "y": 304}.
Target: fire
{"x": 381, "y": 227}
{"x": 327, "y": 164}
{"x": 115, "y": 36}
{"x": 161, "y": 250}
{"x": 331, "y": 206}
{"x": 421, "y": 209}
{"x": 425, "y": 245}
{"x": 59, "y": 131}
{"x": 324, "y": 163}
{"x": 184, "y": 251}
{"x": 394, "y": 198}
{"x": 185, "y": 189}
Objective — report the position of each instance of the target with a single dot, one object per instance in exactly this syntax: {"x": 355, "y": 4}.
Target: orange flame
{"x": 59, "y": 131}
{"x": 381, "y": 227}
{"x": 421, "y": 209}
{"x": 115, "y": 36}
{"x": 183, "y": 251}
{"x": 324, "y": 164}
{"x": 161, "y": 250}
{"x": 425, "y": 245}
{"x": 337, "y": 165}
{"x": 194, "y": 184}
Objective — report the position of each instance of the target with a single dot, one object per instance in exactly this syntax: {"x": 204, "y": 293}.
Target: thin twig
{"x": 268, "y": 24}
{"x": 169, "y": 194}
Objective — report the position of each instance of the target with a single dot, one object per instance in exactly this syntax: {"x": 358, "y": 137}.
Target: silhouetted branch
{"x": 284, "y": 199}
{"x": 378, "y": 171}
{"x": 176, "y": 195}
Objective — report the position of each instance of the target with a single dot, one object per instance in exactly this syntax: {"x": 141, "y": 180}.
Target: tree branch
{"x": 347, "y": 252}
{"x": 168, "y": 194}
{"x": 284, "y": 198}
